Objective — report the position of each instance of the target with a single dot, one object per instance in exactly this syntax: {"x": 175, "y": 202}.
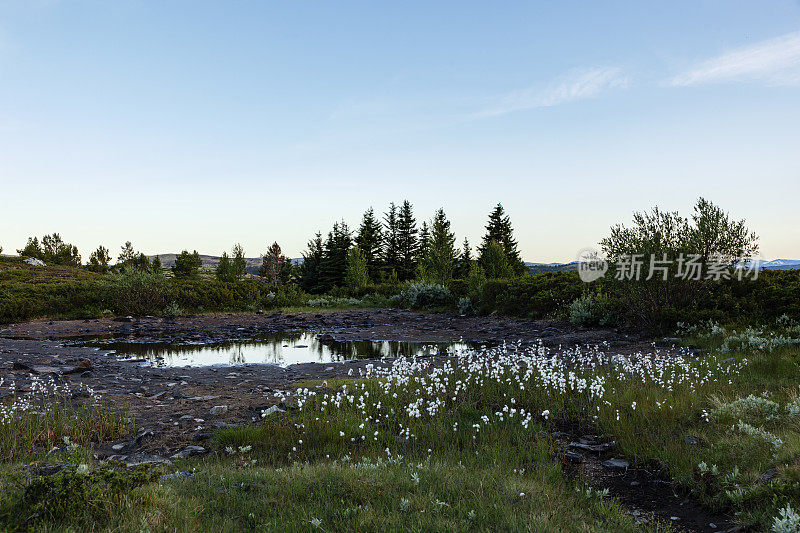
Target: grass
{"x": 462, "y": 447}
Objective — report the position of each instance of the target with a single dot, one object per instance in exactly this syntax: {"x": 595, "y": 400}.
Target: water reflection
{"x": 279, "y": 349}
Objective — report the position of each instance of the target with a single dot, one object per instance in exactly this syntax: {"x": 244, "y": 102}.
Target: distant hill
{"x": 538, "y": 268}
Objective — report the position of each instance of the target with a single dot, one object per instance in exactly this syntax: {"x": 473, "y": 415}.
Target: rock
{"x": 189, "y": 451}
{"x": 175, "y": 475}
{"x": 136, "y": 459}
{"x": 85, "y": 364}
{"x": 16, "y": 365}
{"x": 573, "y": 457}
{"x": 694, "y": 441}
{"x": 596, "y": 448}
{"x": 219, "y": 409}
{"x": 124, "y": 319}
{"x": 34, "y": 262}
{"x": 616, "y": 464}
{"x": 271, "y": 411}
{"x": 667, "y": 342}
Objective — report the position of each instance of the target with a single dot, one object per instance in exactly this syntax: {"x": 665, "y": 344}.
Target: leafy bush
{"x": 422, "y": 295}
{"x": 88, "y": 497}
{"x": 140, "y": 292}
{"x": 533, "y": 297}
{"x": 593, "y": 309}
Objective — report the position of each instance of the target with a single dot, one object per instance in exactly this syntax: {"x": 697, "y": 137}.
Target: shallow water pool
{"x": 278, "y": 349}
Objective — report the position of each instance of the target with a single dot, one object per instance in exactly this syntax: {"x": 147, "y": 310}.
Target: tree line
{"x": 395, "y": 248}
{"x": 390, "y": 249}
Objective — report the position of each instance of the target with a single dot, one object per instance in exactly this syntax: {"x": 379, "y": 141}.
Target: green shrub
{"x": 79, "y": 495}
{"x": 593, "y": 310}
{"x": 421, "y": 295}
{"x": 140, "y": 292}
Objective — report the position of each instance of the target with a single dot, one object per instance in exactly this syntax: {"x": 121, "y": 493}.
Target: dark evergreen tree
{"x": 155, "y": 265}
{"x": 98, "y": 261}
{"x": 239, "y": 263}
{"x": 391, "y": 248}
{"x": 370, "y": 241}
{"x": 223, "y": 271}
{"x": 407, "y": 243}
{"x": 438, "y": 264}
{"x": 127, "y": 254}
{"x": 500, "y": 231}
{"x": 310, "y": 273}
{"x": 464, "y": 260}
{"x": 334, "y": 257}
{"x": 424, "y": 239}
{"x": 187, "y": 265}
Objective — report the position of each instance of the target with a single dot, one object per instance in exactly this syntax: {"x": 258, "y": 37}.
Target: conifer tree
{"x": 439, "y": 262}
{"x": 155, "y": 265}
{"x": 187, "y": 265}
{"x": 370, "y": 241}
{"x": 500, "y": 231}
{"x": 334, "y": 257}
{"x": 224, "y": 271}
{"x": 464, "y": 260}
{"x": 238, "y": 264}
{"x": 391, "y": 249}
{"x": 127, "y": 254}
{"x": 407, "y": 243}
{"x": 424, "y": 240}
{"x": 271, "y": 264}
{"x": 98, "y": 261}
{"x": 310, "y": 278}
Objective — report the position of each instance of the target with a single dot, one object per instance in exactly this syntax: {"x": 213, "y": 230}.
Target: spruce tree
{"x": 334, "y": 258}
{"x": 223, "y": 271}
{"x": 310, "y": 279}
{"x": 239, "y": 263}
{"x": 464, "y": 260}
{"x": 391, "y": 249}
{"x": 155, "y": 265}
{"x": 370, "y": 241}
{"x": 500, "y": 231}
{"x": 406, "y": 242}
{"x": 439, "y": 262}
{"x": 424, "y": 240}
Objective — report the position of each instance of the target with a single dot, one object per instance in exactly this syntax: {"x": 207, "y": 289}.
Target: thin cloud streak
{"x": 576, "y": 85}
{"x": 774, "y": 61}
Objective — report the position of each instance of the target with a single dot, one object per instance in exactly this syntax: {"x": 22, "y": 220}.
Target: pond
{"x": 277, "y": 349}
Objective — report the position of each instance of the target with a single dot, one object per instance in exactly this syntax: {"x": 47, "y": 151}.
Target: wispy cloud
{"x": 575, "y": 85}
{"x": 775, "y": 62}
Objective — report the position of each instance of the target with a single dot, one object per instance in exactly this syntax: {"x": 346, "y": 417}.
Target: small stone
{"x": 573, "y": 457}
{"x": 694, "y": 441}
{"x": 219, "y": 409}
{"x": 616, "y": 464}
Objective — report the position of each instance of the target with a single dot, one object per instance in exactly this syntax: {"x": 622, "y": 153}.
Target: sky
{"x": 196, "y": 125}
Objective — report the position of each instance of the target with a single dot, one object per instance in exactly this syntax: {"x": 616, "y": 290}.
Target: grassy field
{"x": 459, "y": 446}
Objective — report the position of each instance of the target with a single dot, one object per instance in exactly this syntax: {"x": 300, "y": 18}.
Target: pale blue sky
{"x": 191, "y": 124}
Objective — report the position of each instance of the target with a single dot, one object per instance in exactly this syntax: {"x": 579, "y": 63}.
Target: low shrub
{"x": 140, "y": 292}
{"x": 423, "y": 295}
{"x": 593, "y": 309}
